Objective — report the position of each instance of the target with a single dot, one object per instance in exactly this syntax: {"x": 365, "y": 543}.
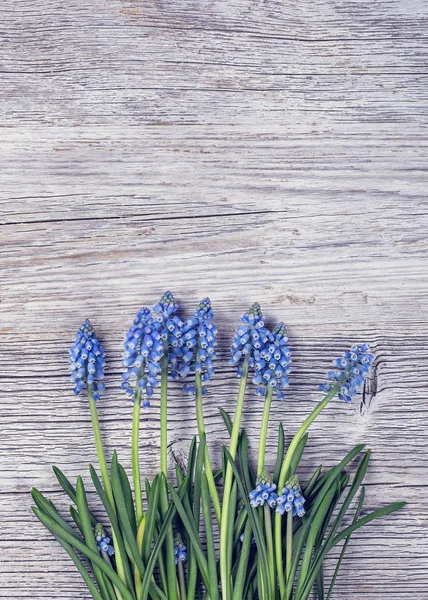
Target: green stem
{"x": 234, "y": 438}
{"x": 201, "y": 430}
{"x": 135, "y": 456}
{"x": 181, "y": 580}
{"x": 164, "y": 413}
{"x": 169, "y": 539}
{"x": 283, "y": 476}
{"x": 263, "y": 431}
{"x": 106, "y": 479}
{"x": 269, "y": 547}
{"x": 289, "y": 546}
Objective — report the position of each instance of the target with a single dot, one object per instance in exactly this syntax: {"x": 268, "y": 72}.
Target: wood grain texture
{"x": 246, "y": 150}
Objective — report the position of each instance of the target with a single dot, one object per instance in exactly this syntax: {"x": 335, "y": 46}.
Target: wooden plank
{"x": 247, "y": 151}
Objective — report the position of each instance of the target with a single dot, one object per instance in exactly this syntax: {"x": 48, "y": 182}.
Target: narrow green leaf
{"x": 49, "y": 509}
{"x": 75, "y": 516}
{"x": 80, "y": 567}
{"x": 152, "y": 503}
{"x": 114, "y": 525}
{"x": 247, "y": 474}
{"x": 227, "y": 421}
{"x": 123, "y": 516}
{"x": 381, "y": 512}
{"x": 200, "y": 458}
{"x": 82, "y": 507}
{"x": 345, "y": 545}
{"x": 307, "y": 490}
{"x": 238, "y": 592}
{"x": 129, "y": 501}
{"x": 146, "y": 583}
{"x": 255, "y": 525}
{"x": 171, "y": 574}
{"x": 94, "y": 557}
{"x": 298, "y": 454}
{"x": 194, "y": 537}
{"x": 229, "y": 536}
{"x": 280, "y": 453}
{"x": 212, "y": 566}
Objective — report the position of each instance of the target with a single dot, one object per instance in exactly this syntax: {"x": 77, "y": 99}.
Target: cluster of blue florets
{"x": 170, "y": 326}
{"x": 291, "y": 499}
{"x": 264, "y": 492}
{"x": 103, "y": 541}
{"x": 199, "y": 336}
{"x": 350, "y": 371}
{"x": 180, "y": 550}
{"x": 272, "y": 363}
{"x": 249, "y": 337}
{"x": 87, "y": 361}
{"x": 141, "y": 359}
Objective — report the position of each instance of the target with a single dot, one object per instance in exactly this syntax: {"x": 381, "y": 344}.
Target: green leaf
{"x": 200, "y": 458}
{"x": 255, "y": 525}
{"x": 247, "y": 474}
{"x": 80, "y": 567}
{"x": 227, "y": 421}
{"x": 330, "y": 479}
{"x": 49, "y": 509}
{"x": 114, "y": 525}
{"x": 189, "y": 524}
{"x": 82, "y": 507}
{"x": 152, "y": 500}
{"x": 307, "y": 490}
{"x": 243, "y": 563}
{"x": 212, "y": 566}
{"x": 129, "y": 502}
{"x": 229, "y": 536}
{"x": 280, "y": 453}
{"x": 295, "y": 460}
{"x": 169, "y": 543}
{"x": 386, "y": 510}
{"x": 75, "y": 516}
{"x": 146, "y": 583}
{"x": 94, "y": 557}
{"x": 122, "y": 512}
{"x": 345, "y": 545}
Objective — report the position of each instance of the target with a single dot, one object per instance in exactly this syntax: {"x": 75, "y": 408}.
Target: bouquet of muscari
{"x": 233, "y": 532}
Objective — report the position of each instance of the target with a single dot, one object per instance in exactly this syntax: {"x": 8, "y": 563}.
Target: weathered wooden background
{"x": 242, "y": 149}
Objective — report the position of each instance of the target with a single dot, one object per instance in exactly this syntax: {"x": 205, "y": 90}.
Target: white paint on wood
{"x": 271, "y": 151}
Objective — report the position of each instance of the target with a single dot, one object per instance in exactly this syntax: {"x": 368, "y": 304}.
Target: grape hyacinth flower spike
{"x": 350, "y": 371}
{"x": 87, "y": 361}
{"x": 169, "y": 326}
{"x": 272, "y": 363}
{"x": 180, "y": 550}
{"x": 264, "y": 491}
{"x": 291, "y": 499}
{"x": 199, "y": 336}
{"x": 197, "y": 342}
{"x": 103, "y": 541}
{"x": 143, "y": 349}
{"x": 249, "y": 338}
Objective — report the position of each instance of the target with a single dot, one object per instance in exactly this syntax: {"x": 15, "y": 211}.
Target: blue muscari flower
{"x": 253, "y": 539}
{"x": 141, "y": 359}
{"x": 291, "y": 498}
{"x": 169, "y": 328}
{"x": 350, "y": 371}
{"x": 264, "y": 491}
{"x": 180, "y": 550}
{"x": 199, "y": 336}
{"x": 249, "y": 337}
{"x": 87, "y": 361}
{"x": 103, "y": 541}
{"x": 272, "y": 363}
